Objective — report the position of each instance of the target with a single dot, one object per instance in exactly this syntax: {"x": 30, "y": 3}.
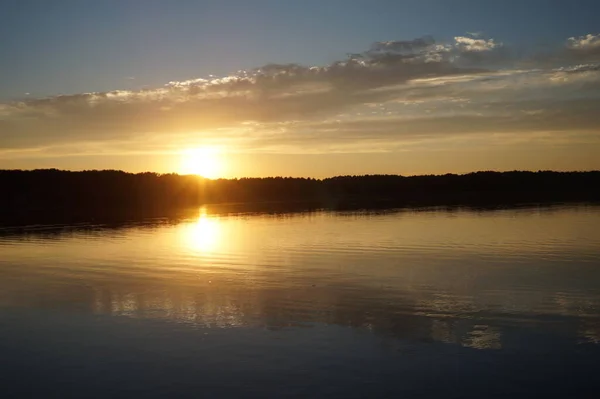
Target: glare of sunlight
{"x": 203, "y": 161}
{"x": 203, "y": 235}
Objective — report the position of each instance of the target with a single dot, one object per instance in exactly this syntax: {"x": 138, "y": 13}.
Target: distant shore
{"x": 49, "y": 194}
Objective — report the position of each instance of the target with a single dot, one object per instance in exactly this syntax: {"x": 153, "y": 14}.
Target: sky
{"x": 300, "y": 88}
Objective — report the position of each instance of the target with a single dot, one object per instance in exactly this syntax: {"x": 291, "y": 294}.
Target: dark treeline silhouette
{"x": 49, "y": 190}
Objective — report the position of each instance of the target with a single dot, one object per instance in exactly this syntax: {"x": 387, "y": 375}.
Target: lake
{"x": 415, "y": 303}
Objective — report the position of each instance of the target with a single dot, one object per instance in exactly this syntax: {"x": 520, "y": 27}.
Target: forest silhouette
{"x": 44, "y": 192}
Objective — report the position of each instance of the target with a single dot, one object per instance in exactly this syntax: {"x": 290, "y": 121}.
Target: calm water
{"x": 434, "y": 303}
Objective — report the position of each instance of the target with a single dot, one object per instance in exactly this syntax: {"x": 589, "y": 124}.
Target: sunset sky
{"x": 300, "y": 88}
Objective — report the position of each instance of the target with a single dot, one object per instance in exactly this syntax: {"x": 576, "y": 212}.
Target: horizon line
{"x": 299, "y": 177}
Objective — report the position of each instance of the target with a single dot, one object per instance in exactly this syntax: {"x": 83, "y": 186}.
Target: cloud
{"x": 378, "y": 132}
{"x": 477, "y": 50}
{"x": 583, "y": 48}
{"x": 401, "y": 46}
{"x": 469, "y": 44}
{"x": 586, "y": 43}
{"x": 394, "y": 92}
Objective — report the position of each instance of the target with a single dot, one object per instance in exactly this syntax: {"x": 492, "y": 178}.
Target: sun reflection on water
{"x": 204, "y": 234}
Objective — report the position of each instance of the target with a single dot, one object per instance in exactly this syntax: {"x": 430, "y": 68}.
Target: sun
{"x": 202, "y": 161}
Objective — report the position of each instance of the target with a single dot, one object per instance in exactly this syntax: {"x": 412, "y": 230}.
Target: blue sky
{"x": 72, "y": 46}
{"x": 301, "y": 88}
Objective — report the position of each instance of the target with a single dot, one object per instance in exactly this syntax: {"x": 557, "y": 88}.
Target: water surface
{"x": 398, "y": 303}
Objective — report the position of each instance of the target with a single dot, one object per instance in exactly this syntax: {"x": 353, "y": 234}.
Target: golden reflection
{"x": 204, "y": 234}
{"x": 484, "y": 337}
{"x": 590, "y": 333}
{"x": 273, "y": 272}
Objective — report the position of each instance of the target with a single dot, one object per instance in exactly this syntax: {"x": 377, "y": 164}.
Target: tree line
{"x": 69, "y": 191}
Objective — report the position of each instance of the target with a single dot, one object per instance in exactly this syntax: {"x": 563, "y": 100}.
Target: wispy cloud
{"x": 395, "y": 92}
